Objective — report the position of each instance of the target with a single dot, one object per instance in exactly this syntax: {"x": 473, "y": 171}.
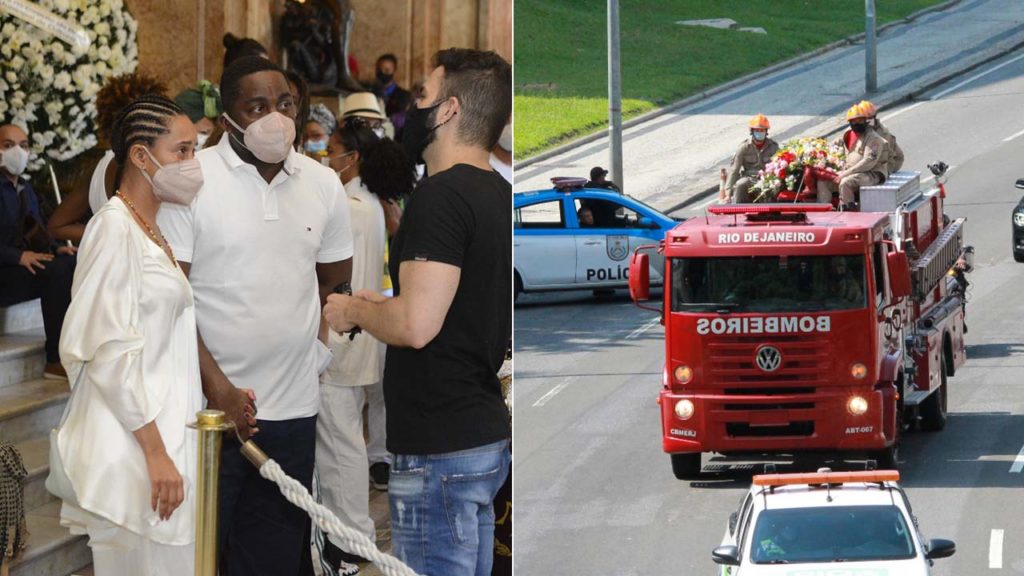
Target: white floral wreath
{"x": 50, "y": 87}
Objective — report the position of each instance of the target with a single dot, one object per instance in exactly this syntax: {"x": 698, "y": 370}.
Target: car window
{"x": 541, "y": 215}
{"x": 606, "y": 214}
{"x": 831, "y": 534}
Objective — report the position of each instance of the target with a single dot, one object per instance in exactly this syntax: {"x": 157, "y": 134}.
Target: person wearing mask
{"x": 598, "y": 180}
{"x": 129, "y": 344}
{"x": 32, "y": 265}
{"x": 895, "y": 155}
{"x": 448, "y": 326}
{"x": 865, "y": 161}
{"x": 501, "y": 154}
{"x": 364, "y": 107}
{"x": 319, "y": 128}
{"x": 259, "y": 279}
{"x": 95, "y": 183}
{"x": 750, "y": 159}
{"x": 396, "y": 99}
{"x": 203, "y": 107}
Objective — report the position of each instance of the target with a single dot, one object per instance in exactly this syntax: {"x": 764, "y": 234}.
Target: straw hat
{"x": 362, "y": 104}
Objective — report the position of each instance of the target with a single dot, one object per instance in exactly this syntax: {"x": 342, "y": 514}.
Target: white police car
{"x": 826, "y": 523}
{"x": 571, "y": 237}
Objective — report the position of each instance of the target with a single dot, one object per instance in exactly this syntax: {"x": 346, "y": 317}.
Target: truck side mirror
{"x": 640, "y": 277}
{"x": 899, "y": 274}
{"x": 726, "y": 555}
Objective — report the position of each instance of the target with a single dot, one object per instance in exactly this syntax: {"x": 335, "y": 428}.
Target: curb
{"x": 715, "y": 90}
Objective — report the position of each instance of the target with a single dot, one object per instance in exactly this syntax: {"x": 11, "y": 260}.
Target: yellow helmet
{"x": 855, "y": 112}
{"x": 868, "y": 108}
{"x": 760, "y": 122}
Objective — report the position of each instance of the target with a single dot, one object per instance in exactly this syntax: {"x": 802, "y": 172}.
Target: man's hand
{"x": 336, "y": 312}
{"x": 34, "y": 260}
{"x": 370, "y": 296}
{"x": 239, "y": 406}
{"x": 837, "y": 178}
{"x": 69, "y": 250}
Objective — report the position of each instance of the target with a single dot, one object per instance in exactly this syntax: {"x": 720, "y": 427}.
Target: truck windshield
{"x": 768, "y": 284}
{"x": 832, "y": 534}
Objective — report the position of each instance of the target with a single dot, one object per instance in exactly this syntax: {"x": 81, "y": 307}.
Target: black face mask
{"x": 859, "y": 128}
{"x": 418, "y": 132}
{"x": 384, "y": 78}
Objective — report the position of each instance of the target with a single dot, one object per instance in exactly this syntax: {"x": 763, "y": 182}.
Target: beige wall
{"x": 171, "y": 34}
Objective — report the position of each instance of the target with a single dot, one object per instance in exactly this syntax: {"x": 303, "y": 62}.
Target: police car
{"x": 571, "y": 237}
{"x": 826, "y": 523}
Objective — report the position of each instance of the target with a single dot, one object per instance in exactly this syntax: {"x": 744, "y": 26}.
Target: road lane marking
{"x": 1017, "y": 135}
{"x": 1018, "y": 463}
{"x": 954, "y": 87}
{"x": 650, "y": 324}
{"x": 551, "y": 394}
{"x": 995, "y": 549}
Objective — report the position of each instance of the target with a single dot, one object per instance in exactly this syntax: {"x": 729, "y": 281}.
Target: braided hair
{"x": 141, "y": 122}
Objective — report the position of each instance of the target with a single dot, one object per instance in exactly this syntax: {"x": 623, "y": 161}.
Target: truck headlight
{"x": 857, "y": 405}
{"x": 684, "y": 409}
{"x": 683, "y": 374}
{"x": 858, "y": 370}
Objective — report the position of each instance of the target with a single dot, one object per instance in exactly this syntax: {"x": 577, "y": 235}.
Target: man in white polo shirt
{"x": 269, "y": 227}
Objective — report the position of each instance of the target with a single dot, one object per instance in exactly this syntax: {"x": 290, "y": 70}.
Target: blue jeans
{"x": 442, "y": 509}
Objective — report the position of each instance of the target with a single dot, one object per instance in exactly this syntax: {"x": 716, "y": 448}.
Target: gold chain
{"x": 160, "y": 240}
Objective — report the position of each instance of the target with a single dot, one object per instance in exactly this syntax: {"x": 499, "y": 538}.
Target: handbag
{"x": 58, "y": 483}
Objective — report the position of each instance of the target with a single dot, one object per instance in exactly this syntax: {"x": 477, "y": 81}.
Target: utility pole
{"x": 870, "y": 45}
{"x": 615, "y": 94}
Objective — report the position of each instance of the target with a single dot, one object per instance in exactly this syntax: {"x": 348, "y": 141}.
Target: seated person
{"x": 31, "y": 264}
{"x": 750, "y": 159}
{"x": 842, "y": 284}
{"x": 586, "y": 216}
{"x": 866, "y": 161}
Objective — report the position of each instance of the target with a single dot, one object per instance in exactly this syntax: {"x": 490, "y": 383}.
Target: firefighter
{"x": 865, "y": 161}
{"x": 750, "y": 159}
{"x": 895, "y": 156}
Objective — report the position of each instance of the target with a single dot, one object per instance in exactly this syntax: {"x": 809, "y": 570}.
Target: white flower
{"x": 61, "y": 5}
{"x": 57, "y": 49}
{"x": 17, "y": 62}
{"x": 104, "y": 53}
{"x": 62, "y": 80}
{"x": 11, "y": 77}
{"x": 103, "y": 29}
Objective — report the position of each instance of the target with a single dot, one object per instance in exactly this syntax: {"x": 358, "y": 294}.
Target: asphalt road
{"x": 595, "y": 494}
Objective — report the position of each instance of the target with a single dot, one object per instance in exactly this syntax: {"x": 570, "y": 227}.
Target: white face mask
{"x": 505, "y": 141}
{"x": 177, "y": 183}
{"x": 15, "y": 160}
{"x": 379, "y": 131}
{"x": 201, "y": 140}
{"x": 270, "y": 138}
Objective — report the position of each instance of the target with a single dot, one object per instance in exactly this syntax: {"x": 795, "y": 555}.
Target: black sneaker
{"x": 380, "y": 473}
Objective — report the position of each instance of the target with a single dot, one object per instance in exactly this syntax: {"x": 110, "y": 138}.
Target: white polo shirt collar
{"x": 269, "y": 191}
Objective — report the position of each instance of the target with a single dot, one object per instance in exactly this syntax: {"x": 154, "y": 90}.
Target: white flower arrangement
{"x": 50, "y": 87}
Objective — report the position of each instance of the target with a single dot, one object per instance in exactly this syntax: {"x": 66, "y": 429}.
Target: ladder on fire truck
{"x": 933, "y": 264}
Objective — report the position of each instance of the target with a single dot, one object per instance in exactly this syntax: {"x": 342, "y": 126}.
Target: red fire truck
{"x": 793, "y": 328}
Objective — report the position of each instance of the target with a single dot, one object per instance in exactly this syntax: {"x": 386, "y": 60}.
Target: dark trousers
{"x": 52, "y": 285}
{"x": 260, "y": 532}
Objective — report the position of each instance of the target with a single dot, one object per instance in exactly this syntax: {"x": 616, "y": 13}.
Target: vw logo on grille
{"x": 768, "y": 358}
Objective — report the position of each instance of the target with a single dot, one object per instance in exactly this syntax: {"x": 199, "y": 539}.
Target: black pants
{"x": 52, "y": 285}
{"x": 260, "y": 532}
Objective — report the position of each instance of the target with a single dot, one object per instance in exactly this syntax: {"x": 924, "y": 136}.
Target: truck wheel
{"x": 933, "y": 409}
{"x": 887, "y": 459}
{"x": 686, "y": 466}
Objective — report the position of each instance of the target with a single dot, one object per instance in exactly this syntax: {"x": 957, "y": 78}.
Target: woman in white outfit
{"x": 129, "y": 346}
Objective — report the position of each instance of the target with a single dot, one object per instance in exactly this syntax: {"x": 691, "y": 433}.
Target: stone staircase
{"x": 29, "y": 408}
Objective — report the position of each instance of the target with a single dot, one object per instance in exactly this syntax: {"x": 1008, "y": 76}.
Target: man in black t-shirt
{"x": 449, "y": 324}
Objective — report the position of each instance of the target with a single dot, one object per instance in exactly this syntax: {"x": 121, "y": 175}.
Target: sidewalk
{"x": 673, "y": 158}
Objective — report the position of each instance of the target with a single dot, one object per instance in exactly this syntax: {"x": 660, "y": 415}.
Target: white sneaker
{"x": 346, "y": 569}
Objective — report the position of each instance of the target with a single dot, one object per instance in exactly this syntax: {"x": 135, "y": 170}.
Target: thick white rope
{"x": 356, "y": 542}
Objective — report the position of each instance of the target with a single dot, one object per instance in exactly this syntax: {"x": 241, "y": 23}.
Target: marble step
{"x": 21, "y": 356}
{"x": 20, "y": 317}
{"x": 31, "y": 409}
{"x": 36, "y": 455}
{"x": 52, "y": 550}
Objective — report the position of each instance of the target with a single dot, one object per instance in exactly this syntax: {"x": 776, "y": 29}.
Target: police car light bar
{"x": 826, "y": 478}
{"x": 568, "y": 183}
{"x": 767, "y": 208}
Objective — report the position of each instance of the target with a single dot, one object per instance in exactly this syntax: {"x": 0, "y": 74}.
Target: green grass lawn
{"x": 561, "y": 54}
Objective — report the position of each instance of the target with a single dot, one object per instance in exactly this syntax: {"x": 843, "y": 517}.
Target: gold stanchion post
{"x": 210, "y": 424}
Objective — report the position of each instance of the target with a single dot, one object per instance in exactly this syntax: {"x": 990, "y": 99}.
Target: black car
{"x": 1018, "y": 227}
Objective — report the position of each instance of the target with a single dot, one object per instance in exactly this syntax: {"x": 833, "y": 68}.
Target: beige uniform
{"x": 748, "y": 161}
{"x": 894, "y": 157}
{"x": 865, "y": 166}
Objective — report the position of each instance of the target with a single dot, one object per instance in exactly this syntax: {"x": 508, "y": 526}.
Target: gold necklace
{"x": 160, "y": 240}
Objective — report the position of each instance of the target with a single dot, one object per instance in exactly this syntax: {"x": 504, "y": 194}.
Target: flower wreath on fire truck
{"x": 794, "y": 169}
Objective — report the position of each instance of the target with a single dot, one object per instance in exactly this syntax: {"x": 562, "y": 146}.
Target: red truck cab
{"x": 793, "y": 328}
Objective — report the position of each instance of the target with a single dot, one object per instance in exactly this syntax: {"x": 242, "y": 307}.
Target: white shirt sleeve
{"x": 336, "y": 244}
{"x": 177, "y": 223}
{"x": 101, "y": 332}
